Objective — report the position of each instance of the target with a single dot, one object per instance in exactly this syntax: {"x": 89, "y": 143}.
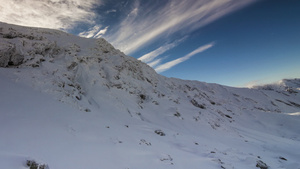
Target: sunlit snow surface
{"x": 75, "y": 103}
{"x": 294, "y": 114}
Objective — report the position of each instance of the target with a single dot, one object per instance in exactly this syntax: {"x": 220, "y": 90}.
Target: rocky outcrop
{"x": 9, "y": 55}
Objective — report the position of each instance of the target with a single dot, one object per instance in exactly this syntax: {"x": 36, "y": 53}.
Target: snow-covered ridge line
{"x": 167, "y": 118}
{"x": 289, "y": 85}
{"x": 78, "y": 66}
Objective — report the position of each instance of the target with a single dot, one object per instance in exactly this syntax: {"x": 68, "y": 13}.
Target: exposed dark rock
{"x": 160, "y": 132}
{"x": 282, "y": 158}
{"x": 196, "y": 104}
{"x": 260, "y": 164}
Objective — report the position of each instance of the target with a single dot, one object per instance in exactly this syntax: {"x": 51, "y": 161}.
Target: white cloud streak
{"x": 111, "y": 11}
{"x": 91, "y": 32}
{"x": 101, "y": 32}
{"x": 152, "y": 55}
{"x": 155, "y": 62}
{"x": 142, "y": 26}
{"x": 169, "y": 65}
{"x": 94, "y": 32}
{"x": 56, "y": 14}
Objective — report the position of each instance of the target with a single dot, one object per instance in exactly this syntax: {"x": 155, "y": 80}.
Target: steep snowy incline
{"x": 73, "y": 102}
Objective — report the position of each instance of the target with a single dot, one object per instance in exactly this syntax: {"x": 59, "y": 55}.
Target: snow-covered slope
{"x": 72, "y": 102}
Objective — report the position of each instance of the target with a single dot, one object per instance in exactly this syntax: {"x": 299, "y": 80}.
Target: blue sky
{"x": 230, "y": 42}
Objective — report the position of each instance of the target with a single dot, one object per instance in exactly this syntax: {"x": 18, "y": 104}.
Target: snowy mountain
{"x": 72, "y": 103}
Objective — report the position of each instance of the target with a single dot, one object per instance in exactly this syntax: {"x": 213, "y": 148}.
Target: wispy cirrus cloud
{"x": 144, "y": 25}
{"x": 111, "y": 11}
{"x": 168, "y": 65}
{"x": 155, "y": 62}
{"x": 94, "y": 32}
{"x": 155, "y": 53}
{"x": 56, "y": 14}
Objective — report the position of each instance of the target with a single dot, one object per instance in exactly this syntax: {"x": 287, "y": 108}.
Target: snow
{"x": 76, "y": 103}
{"x": 294, "y": 114}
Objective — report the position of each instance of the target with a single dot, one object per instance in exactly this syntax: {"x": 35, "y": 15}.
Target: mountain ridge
{"x": 93, "y": 77}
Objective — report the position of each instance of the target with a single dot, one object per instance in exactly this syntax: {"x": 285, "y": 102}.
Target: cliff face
{"x": 93, "y": 77}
